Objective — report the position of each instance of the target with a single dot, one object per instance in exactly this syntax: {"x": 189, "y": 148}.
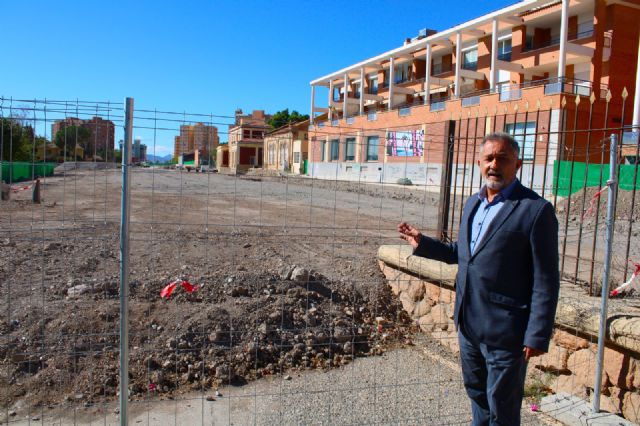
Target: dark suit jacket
{"x": 507, "y": 291}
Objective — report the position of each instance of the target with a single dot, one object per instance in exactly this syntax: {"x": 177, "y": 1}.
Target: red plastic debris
{"x": 188, "y": 287}
{"x": 166, "y": 292}
{"x": 169, "y": 289}
{"x": 636, "y": 273}
{"x": 593, "y": 201}
{"x": 152, "y": 387}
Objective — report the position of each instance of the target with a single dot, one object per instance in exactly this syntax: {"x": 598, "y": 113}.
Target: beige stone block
{"x": 582, "y": 364}
{"x": 416, "y": 289}
{"x": 422, "y": 308}
{"x": 404, "y": 281}
{"x": 447, "y": 296}
{"x": 631, "y": 406}
{"x": 389, "y": 273}
{"x": 440, "y": 316}
{"x": 632, "y": 380}
{"x": 610, "y": 400}
{"x": 408, "y": 303}
{"x": 426, "y": 323}
{"x": 554, "y": 361}
{"x": 432, "y": 293}
{"x": 568, "y": 384}
{"x": 616, "y": 366}
{"x": 569, "y": 341}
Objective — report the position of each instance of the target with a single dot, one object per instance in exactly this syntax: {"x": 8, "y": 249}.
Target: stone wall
{"x": 426, "y": 290}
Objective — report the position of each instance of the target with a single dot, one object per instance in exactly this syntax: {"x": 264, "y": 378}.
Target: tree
{"x": 69, "y": 137}
{"x": 283, "y": 117}
{"x": 17, "y": 140}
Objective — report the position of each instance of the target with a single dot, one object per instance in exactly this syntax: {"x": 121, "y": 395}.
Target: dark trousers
{"x": 494, "y": 381}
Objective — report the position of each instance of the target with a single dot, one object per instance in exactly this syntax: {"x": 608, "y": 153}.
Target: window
{"x": 323, "y": 150}
{"x": 437, "y": 66}
{"x": 504, "y": 50}
{"x": 335, "y": 149}
{"x": 373, "y": 143}
{"x": 336, "y": 93}
{"x": 373, "y": 85}
{"x": 525, "y": 135}
{"x": 272, "y": 154}
{"x": 296, "y": 157}
{"x": 357, "y": 91}
{"x": 401, "y": 72}
{"x": 470, "y": 59}
{"x": 257, "y": 134}
{"x": 350, "y": 151}
{"x": 246, "y": 134}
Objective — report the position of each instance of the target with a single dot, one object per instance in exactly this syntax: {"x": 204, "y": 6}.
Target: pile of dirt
{"x": 254, "y": 314}
{"x": 626, "y": 206}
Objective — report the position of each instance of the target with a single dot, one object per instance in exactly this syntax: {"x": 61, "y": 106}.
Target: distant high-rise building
{"x": 198, "y": 136}
{"x": 176, "y": 147}
{"x": 100, "y": 141}
{"x": 139, "y": 153}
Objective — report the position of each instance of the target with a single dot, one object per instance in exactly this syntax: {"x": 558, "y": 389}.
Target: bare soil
{"x": 287, "y": 276}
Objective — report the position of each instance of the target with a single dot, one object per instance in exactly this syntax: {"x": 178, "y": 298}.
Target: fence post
{"x": 442, "y": 230}
{"x": 124, "y": 262}
{"x": 612, "y": 183}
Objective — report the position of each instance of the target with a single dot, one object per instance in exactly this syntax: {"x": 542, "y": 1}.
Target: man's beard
{"x": 495, "y": 180}
{"x": 495, "y": 185}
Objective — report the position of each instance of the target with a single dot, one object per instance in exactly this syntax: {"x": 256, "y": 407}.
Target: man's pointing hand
{"x": 409, "y": 234}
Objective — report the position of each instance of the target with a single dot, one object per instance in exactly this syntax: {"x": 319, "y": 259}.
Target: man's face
{"x": 498, "y": 164}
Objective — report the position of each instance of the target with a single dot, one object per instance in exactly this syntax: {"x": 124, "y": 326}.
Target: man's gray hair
{"x": 504, "y": 137}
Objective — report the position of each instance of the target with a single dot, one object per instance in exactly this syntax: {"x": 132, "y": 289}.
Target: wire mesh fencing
{"x": 255, "y": 294}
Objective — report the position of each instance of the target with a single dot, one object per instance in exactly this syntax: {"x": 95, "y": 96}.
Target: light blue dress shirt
{"x": 486, "y": 212}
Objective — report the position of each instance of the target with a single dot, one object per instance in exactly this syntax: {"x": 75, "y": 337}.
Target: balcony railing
{"x": 471, "y": 66}
{"x": 504, "y": 56}
{"x": 404, "y": 111}
{"x": 570, "y": 85}
{"x": 556, "y": 41}
{"x": 471, "y": 101}
{"x": 439, "y": 104}
{"x": 506, "y": 92}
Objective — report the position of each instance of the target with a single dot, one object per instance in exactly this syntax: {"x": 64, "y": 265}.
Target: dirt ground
{"x": 286, "y": 274}
{"x": 285, "y": 267}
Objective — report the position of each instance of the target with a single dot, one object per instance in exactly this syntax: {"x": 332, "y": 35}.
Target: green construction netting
{"x": 17, "y": 171}
{"x": 565, "y": 183}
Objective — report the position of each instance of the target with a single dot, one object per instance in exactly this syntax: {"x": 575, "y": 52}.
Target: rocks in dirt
{"x": 52, "y": 246}
{"x": 78, "y": 290}
{"x": 225, "y": 372}
{"x": 239, "y": 292}
{"x": 285, "y": 272}
{"x": 300, "y": 275}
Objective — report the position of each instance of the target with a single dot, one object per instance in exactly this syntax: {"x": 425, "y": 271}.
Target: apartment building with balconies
{"x": 499, "y": 68}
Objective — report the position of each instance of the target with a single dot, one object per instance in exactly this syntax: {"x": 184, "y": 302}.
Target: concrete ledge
{"x": 401, "y": 257}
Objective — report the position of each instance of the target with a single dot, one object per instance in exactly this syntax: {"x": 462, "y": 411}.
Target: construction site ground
{"x": 292, "y": 314}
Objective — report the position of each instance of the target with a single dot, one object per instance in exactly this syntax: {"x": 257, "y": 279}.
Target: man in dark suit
{"x": 507, "y": 283}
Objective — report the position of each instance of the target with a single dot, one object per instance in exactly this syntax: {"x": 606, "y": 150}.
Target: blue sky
{"x": 203, "y": 56}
